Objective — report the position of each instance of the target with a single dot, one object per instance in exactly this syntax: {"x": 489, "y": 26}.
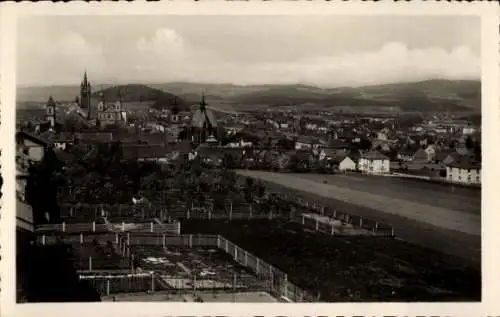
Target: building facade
{"x": 464, "y": 173}
{"x": 374, "y": 162}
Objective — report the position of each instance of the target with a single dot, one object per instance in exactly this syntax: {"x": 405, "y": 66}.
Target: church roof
{"x": 203, "y": 116}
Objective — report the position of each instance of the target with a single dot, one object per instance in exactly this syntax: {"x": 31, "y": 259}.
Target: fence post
{"x": 235, "y": 253}
{"x": 323, "y": 210}
{"x": 218, "y": 241}
{"x": 107, "y": 287}
{"x": 63, "y": 226}
{"x": 246, "y": 258}
{"x": 81, "y": 238}
{"x": 230, "y": 211}
{"x": 93, "y": 226}
{"x": 123, "y": 226}
{"x": 90, "y": 264}
{"x": 152, "y": 281}
{"x": 128, "y": 238}
{"x": 152, "y": 227}
{"x": 332, "y": 230}
{"x": 257, "y": 263}
{"x": 116, "y": 237}
{"x": 250, "y": 209}
{"x": 187, "y": 213}
{"x": 190, "y": 240}
{"x": 392, "y": 232}
{"x": 317, "y": 224}
{"x": 285, "y": 286}
{"x": 209, "y": 214}
{"x": 71, "y": 211}
{"x": 43, "y": 239}
{"x": 303, "y": 220}
{"x": 271, "y": 282}
{"x": 334, "y": 213}
{"x": 178, "y": 227}
{"x": 227, "y": 246}
{"x": 361, "y": 222}
{"x": 376, "y": 226}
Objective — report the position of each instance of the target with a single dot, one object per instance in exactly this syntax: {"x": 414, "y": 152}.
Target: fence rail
{"x": 167, "y": 228}
{"x": 276, "y": 281}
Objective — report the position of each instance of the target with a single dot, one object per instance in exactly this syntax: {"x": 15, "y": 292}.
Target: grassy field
{"x": 456, "y": 232}
{"x": 353, "y": 268}
{"x": 434, "y": 194}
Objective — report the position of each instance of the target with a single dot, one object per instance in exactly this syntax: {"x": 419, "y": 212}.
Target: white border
{"x": 489, "y": 13}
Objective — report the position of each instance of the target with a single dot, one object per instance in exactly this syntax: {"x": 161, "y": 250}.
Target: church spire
{"x": 203, "y": 104}
{"x": 85, "y": 80}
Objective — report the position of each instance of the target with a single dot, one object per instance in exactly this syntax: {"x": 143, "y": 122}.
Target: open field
{"x": 456, "y": 232}
{"x": 350, "y": 268}
{"x": 439, "y": 195}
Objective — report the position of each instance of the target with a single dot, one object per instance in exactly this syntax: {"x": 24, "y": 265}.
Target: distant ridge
{"x": 428, "y": 95}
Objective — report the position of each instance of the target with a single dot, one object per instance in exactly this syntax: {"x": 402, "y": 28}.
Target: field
{"x": 422, "y": 213}
{"x": 350, "y": 268}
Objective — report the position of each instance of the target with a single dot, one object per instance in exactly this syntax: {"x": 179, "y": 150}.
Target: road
{"x": 419, "y": 212}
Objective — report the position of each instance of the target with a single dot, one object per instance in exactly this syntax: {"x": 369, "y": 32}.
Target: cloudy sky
{"x": 320, "y": 50}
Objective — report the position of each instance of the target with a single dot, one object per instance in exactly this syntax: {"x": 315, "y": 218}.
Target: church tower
{"x": 50, "y": 113}
{"x": 85, "y": 93}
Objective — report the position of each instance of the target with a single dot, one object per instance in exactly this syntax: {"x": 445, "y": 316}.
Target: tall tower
{"x": 50, "y": 113}
{"x": 85, "y": 93}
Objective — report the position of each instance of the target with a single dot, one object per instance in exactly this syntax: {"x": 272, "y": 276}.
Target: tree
{"x": 469, "y": 143}
{"x": 249, "y": 188}
{"x": 228, "y": 161}
{"x": 41, "y": 188}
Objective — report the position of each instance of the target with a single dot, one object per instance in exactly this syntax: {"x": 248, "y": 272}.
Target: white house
{"x": 464, "y": 173}
{"x": 306, "y": 142}
{"x": 374, "y": 162}
{"x": 347, "y": 164}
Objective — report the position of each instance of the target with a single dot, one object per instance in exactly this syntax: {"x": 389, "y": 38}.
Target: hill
{"x": 142, "y": 93}
{"x": 431, "y": 95}
{"x": 424, "y": 96}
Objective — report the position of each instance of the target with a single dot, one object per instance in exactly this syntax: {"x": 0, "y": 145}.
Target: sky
{"x": 326, "y": 51}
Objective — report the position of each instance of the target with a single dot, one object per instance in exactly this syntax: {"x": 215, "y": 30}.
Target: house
{"x": 307, "y": 142}
{"x": 465, "y": 171}
{"x": 144, "y": 152}
{"x": 406, "y": 155}
{"x": 347, "y": 164}
{"x": 373, "y": 162}
{"x": 29, "y": 148}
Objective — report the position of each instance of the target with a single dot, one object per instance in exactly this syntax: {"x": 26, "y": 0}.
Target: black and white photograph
{"x": 249, "y": 158}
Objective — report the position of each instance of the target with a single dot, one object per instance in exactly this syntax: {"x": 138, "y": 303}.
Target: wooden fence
{"x": 275, "y": 281}
{"x": 166, "y": 228}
